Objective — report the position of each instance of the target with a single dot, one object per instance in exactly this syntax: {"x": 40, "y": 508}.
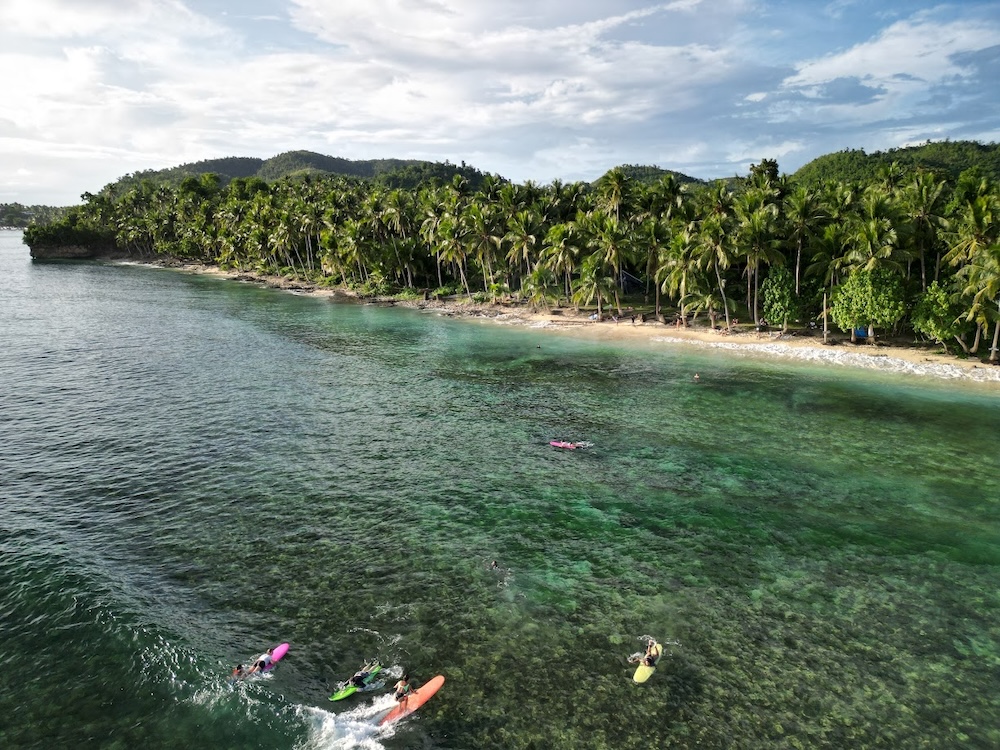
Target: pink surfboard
{"x": 563, "y": 444}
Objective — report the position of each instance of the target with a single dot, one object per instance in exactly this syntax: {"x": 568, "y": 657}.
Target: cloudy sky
{"x": 529, "y": 89}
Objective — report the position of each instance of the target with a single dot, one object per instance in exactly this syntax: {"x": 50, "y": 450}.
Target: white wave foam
{"x": 824, "y": 355}
{"x": 354, "y": 729}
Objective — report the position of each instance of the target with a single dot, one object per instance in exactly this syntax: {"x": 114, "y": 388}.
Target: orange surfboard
{"x": 414, "y": 700}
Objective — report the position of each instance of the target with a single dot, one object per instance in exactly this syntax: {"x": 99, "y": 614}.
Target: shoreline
{"x": 927, "y": 361}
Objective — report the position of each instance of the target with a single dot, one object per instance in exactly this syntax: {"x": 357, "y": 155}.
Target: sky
{"x": 92, "y": 90}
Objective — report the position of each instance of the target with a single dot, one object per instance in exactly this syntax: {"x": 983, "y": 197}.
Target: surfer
{"x": 403, "y": 688}
{"x": 650, "y": 658}
{"x": 651, "y": 655}
{"x": 262, "y": 662}
{"x": 358, "y": 680}
{"x": 238, "y": 673}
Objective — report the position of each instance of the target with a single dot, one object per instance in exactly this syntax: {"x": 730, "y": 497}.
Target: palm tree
{"x": 677, "y": 272}
{"x": 523, "y": 235}
{"x": 923, "y": 201}
{"x": 714, "y": 239}
{"x": 560, "y": 252}
{"x": 593, "y": 282}
{"x": 873, "y": 241}
{"x": 804, "y": 216}
{"x": 611, "y": 242}
{"x": 614, "y": 192}
{"x": 976, "y": 250}
{"x": 755, "y": 237}
{"x": 483, "y": 235}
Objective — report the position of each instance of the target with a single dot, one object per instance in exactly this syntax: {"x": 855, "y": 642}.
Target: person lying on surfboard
{"x": 649, "y": 658}
{"x": 261, "y": 663}
{"x": 403, "y": 688}
{"x": 358, "y": 680}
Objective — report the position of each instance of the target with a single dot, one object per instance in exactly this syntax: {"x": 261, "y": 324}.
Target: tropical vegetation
{"x": 909, "y": 249}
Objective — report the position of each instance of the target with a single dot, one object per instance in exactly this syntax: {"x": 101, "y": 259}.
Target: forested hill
{"x": 403, "y": 173}
{"x": 19, "y": 216}
{"x": 948, "y": 159}
{"x": 647, "y": 175}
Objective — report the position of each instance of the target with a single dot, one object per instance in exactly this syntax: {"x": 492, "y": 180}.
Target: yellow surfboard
{"x": 643, "y": 672}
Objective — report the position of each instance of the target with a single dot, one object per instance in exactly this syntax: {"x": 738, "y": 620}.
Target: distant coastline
{"x": 925, "y": 361}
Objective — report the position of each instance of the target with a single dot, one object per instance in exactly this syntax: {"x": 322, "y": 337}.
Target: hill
{"x": 402, "y": 173}
{"x": 648, "y": 175}
{"x": 947, "y": 158}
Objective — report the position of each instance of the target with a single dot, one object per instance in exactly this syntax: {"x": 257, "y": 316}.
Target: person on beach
{"x": 263, "y": 662}
{"x": 402, "y": 688}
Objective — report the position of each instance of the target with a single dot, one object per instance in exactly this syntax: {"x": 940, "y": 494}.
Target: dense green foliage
{"x": 16, "y": 215}
{"x": 948, "y": 159}
{"x": 769, "y": 245}
{"x": 75, "y": 229}
{"x": 647, "y": 175}
{"x": 408, "y": 173}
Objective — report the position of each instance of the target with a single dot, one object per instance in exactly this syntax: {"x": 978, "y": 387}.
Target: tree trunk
{"x": 979, "y": 336}
{"x": 722, "y": 291}
{"x": 996, "y": 338}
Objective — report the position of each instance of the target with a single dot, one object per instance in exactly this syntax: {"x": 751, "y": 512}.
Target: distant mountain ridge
{"x": 393, "y": 172}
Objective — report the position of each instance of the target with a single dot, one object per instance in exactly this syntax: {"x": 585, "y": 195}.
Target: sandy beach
{"x": 926, "y": 360}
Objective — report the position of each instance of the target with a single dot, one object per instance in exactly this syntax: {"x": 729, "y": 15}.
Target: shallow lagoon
{"x": 196, "y": 469}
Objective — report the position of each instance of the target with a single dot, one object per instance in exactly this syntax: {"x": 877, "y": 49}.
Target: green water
{"x": 196, "y": 469}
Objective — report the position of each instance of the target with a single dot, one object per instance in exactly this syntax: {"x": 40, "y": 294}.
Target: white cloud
{"x": 906, "y": 51}
{"x": 533, "y": 89}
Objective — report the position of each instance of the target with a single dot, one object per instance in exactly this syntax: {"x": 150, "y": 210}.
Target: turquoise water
{"x": 195, "y": 469}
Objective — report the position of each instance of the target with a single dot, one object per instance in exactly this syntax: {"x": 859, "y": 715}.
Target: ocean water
{"x": 194, "y": 469}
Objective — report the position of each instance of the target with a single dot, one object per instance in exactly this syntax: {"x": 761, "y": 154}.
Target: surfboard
{"x": 414, "y": 700}
{"x": 643, "y": 672}
{"x": 562, "y": 444}
{"x": 277, "y": 655}
{"x": 349, "y": 688}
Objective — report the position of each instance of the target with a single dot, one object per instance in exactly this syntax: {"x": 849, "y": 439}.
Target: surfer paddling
{"x": 262, "y": 662}
{"x": 652, "y": 655}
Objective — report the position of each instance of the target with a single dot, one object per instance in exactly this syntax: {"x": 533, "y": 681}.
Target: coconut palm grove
{"x": 896, "y": 247}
